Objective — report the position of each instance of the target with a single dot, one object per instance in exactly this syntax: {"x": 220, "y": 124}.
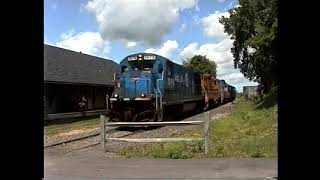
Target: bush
{"x": 270, "y": 99}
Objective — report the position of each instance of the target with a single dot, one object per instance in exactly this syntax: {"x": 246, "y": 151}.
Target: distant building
{"x": 250, "y": 91}
{"x": 69, "y": 75}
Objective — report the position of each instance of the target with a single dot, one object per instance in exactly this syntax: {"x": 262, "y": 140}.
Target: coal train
{"x": 149, "y": 86}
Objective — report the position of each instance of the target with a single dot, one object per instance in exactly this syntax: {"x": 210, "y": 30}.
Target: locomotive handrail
{"x": 158, "y": 80}
{"x": 156, "y": 98}
{"x": 105, "y": 122}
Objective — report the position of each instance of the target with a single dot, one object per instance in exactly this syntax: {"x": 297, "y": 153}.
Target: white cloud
{"x": 234, "y": 78}
{"x": 221, "y": 54}
{"x": 131, "y": 44}
{"x": 189, "y": 51}
{"x": 166, "y": 49}
{"x": 86, "y": 42}
{"x": 183, "y": 27}
{"x": 212, "y": 27}
{"x": 221, "y": 1}
{"x": 137, "y": 20}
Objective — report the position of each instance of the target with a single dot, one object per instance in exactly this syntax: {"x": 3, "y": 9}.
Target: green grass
{"x": 74, "y": 124}
{"x": 249, "y": 132}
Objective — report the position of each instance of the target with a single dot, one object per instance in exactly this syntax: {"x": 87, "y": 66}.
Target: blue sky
{"x": 113, "y": 29}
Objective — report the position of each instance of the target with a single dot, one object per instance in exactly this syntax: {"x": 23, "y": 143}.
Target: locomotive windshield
{"x": 141, "y": 65}
{"x": 124, "y": 69}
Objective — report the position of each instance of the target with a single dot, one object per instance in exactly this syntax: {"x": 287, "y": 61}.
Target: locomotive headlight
{"x": 116, "y": 95}
{"x": 143, "y": 95}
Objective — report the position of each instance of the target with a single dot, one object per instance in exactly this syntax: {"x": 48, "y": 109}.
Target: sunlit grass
{"x": 247, "y": 132}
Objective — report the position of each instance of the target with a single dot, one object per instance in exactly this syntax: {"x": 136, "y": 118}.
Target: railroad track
{"x": 93, "y": 135}
{"x": 66, "y": 146}
{"x": 72, "y": 140}
{"x": 72, "y": 148}
{"x": 110, "y": 131}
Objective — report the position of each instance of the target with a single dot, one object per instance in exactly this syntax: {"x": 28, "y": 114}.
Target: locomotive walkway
{"x": 91, "y": 163}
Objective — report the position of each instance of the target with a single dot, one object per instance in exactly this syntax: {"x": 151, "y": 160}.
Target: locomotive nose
{"x": 136, "y": 86}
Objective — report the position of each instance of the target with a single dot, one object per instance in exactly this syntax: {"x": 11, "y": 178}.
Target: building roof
{"x": 65, "y": 66}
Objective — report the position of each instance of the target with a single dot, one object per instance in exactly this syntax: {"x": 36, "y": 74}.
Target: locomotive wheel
{"x": 215, "y": 103}
{"x": 207, "y": 105}
{"x": 114, "y": 116}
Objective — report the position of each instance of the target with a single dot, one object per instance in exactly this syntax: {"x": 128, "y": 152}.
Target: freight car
{"x": 150, "y": 85}
{"x": 233, "y": 93}
{"x": 211, "y": 90}
{"x": 216, "y": 91}
{"x": 227, "y": 94}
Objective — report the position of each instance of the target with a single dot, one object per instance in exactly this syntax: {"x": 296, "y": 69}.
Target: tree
{"x": 201, "y": 64}
{"x": 253, "y": 26}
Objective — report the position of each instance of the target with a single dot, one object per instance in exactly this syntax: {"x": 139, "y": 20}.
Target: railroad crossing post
{"x": 102, "y": 131}
{"x": 206, "y": 131}
{"x": 107, "y": 101}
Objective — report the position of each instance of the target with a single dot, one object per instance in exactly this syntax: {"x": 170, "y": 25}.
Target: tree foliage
{"x": 253, "y": 26}
{"x": 201, "y": 64}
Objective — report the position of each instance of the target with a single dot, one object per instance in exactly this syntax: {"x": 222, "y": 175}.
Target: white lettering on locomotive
{"x": 170, "y": 82}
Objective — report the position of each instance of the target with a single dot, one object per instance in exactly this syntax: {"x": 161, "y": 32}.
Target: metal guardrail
{"x": 105, "y": 122}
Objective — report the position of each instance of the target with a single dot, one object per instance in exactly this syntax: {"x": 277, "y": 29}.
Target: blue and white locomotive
{"x": 150, "y": 85}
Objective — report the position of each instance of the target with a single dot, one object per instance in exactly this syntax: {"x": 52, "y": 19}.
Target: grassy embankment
{"x": 250, "y": 131}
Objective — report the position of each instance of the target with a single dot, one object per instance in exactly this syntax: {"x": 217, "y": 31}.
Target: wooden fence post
{"x": 206, "y": 131}
{"x": 107, "y": 119}
{"x": 102, "y": 132}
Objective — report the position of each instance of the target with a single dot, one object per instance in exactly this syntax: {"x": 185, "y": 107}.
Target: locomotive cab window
{"x": 141, "y": 65}
{"x": 124, "y": 69}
